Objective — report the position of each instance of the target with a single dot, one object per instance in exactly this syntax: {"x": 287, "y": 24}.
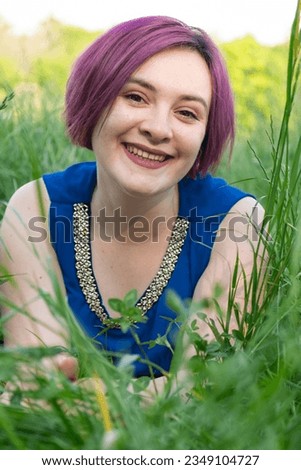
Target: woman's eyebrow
{"x": 140, "y": 81}
{"x": 199, "y": 99}
{"x": 149, "y": 86}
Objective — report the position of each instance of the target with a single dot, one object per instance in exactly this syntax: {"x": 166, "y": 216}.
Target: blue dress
{"x": 203, "y": 204}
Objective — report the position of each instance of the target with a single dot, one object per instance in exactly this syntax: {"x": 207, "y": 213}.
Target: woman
{"x": 151, "y": 98}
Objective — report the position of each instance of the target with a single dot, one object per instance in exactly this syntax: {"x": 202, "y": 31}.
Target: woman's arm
{"x": 237, "y": 242}
{"x": 28, "y": 257}
{"x": 238, "y": 246}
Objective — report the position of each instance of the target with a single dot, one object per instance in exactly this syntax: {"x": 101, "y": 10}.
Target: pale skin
{"x": 162, "y": 110}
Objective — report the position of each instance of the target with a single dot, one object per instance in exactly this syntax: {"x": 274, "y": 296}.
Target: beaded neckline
{"x": 84, "y": 271}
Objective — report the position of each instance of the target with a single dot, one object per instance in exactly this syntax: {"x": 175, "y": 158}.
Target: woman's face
{"x": 153, "y": 132}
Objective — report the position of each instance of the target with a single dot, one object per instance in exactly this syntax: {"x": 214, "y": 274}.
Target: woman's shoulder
{"x": 31, "y": 199}
{"x": 27, "y": 206}
{"x": 244, "y": 217}
{"x": 209, "y": 196}
{"x": 73, "y": 184}
{"x": 246, "y": 206}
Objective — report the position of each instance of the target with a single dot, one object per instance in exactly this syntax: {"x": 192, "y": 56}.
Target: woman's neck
{"x": 118, "y": 214}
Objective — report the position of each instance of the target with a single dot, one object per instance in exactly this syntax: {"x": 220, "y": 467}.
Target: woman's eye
{"x": 188, "y": 114}
{"x": 134, "y": 97}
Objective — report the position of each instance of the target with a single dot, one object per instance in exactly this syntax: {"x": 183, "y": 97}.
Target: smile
{"x": 144, "y": 154}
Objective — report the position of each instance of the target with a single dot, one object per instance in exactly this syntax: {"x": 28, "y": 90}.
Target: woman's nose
{"x": 157, "y": 126}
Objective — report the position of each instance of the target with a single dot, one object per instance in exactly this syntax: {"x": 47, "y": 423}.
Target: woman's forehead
{"x": 179, "y": 69}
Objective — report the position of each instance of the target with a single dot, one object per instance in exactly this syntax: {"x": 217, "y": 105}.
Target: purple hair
{"x": 102, "y": 70}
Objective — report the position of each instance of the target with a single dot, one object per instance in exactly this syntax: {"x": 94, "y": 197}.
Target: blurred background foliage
{"x": 44, "y": 58}
{"x": 257, "y": 72}
{"x": 37, "y": 66}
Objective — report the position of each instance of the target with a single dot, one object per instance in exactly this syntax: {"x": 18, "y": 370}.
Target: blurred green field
{"x": 246, "y": 391}
{"x": 37, "y": 68}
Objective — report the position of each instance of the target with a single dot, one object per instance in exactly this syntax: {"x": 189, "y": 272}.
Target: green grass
{"x": 245, "y": 393}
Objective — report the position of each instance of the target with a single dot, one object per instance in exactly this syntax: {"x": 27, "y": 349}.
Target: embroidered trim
{"x": 83, "y": 264}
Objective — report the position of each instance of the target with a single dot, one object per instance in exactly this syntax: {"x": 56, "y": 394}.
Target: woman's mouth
{"x": 145, "y": 155}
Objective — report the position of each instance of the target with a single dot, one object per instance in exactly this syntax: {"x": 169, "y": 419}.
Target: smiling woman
{"x": 152, "y": 99}
{"x": 154, "y": 125}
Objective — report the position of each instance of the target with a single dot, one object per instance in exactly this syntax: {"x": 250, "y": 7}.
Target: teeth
{"x": 143, "y": 154}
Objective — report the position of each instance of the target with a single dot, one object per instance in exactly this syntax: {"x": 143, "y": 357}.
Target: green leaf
{"x": 162, "y": 341}
{"x": 175, "y": 303}
{"x": 196, "y": 364}
{"x": 117, "y": 305}
{"x": 134, "y": 314}
{"x": 8, "y": 98}
{"x": 238, "y": 335}
{"x": 140, "y": 384}
{"x": 200, "y": 344}
{"x": 218, "y": 290}
{"x": 202, "y": 316}
{"x": 131, "y": 298}
{"x": 125, "y": 325}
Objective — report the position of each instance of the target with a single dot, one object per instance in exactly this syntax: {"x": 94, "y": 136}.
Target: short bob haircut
{"x": 105, "y": 66}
